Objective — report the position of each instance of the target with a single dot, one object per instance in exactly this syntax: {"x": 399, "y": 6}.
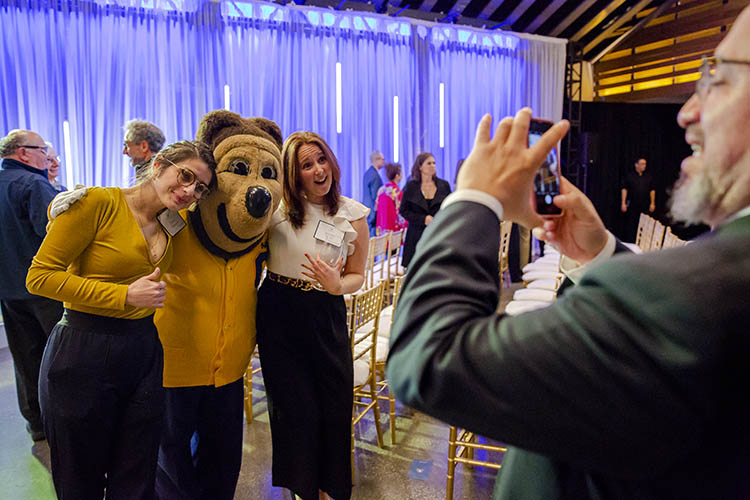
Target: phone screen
{"x": 547, "y": 180}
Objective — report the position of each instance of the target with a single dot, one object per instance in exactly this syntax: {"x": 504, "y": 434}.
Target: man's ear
{"x": 143, "y": 146}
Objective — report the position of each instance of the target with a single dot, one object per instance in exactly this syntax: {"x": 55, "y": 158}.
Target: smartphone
{"x": 547, "y": 180}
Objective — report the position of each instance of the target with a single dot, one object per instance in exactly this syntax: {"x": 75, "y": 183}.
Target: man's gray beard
{"x": 693, "y": 199}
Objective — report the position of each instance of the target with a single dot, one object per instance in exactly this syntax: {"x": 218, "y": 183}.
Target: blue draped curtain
{"x": 97, "y": 64}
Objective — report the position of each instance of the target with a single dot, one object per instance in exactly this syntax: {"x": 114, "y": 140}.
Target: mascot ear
{"x": 269, "y": 127}
{"x": 217, "y": 126}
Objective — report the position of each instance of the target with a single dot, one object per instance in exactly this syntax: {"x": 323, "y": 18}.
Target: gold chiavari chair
{"x": 644, "y": 232}
{"x": 671, "y": 240}
{"x": 365, "y": 308}
{"x": 375, "y": 267}
{"x": 248, "y": 381}
{"x": 657, "y": 236}
{"x": 461, "y": 447}
{"x": 381, "y": 353}
{"x": 505, "y": 227}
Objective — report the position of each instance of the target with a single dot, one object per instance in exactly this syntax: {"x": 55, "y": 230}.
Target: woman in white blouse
{"x": 317, "y": 251}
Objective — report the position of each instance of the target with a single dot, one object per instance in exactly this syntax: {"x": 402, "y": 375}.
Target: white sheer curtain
{"x": 97, "y": 65}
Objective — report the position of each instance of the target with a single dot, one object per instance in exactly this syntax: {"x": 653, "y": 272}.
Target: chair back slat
{"x": 375, "y": 265}
{"x": 505, "y": 227}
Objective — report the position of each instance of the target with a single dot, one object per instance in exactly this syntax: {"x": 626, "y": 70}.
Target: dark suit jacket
{"x": 414, "y": 208}
{"x": 370, "y": 185}
{"x": 633, "y": 385}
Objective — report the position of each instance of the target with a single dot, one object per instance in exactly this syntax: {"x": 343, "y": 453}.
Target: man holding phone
{"x": 633, "y": 384}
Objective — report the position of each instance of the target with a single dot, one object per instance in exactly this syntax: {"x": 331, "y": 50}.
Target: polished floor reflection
{"x": 381, "y": 473}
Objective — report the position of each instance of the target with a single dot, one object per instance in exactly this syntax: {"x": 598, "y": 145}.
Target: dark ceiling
{"x": 593, "y": 23}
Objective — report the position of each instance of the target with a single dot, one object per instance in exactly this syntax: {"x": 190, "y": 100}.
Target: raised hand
{"x": 580, "y": 233}
{"x": 147, "y": 291}
{"x": 504, "y": 166}
{"x": 328, "y": 276}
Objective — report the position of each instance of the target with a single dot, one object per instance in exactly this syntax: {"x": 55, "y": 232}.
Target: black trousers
{"x": 102, "y": 401}
{"x": 212, "y": 418}
{"x": 28, "y": 323}
{"x": 308, "y": 373}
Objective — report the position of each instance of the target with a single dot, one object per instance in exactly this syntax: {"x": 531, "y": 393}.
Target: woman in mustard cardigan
{"x": 100, "y": 382}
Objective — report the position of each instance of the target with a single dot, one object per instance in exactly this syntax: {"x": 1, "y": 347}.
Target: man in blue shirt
{"x": 25, "y": 194}
{"x": 372, "y": 182}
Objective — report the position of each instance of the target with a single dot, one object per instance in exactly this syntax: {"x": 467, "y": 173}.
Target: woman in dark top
{"x": 423, "y": 195}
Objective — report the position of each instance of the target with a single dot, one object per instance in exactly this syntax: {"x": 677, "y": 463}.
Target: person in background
{"x": 53, "y": 168}
{"x": 389, "y": 201}
{"x": 100, "y": 382}
{"x": 25, "y": 194}
{"x": 422, "y": 197}
{"x": 637, "y": 196}
{"x": 142, "y": 141}
{"x": 317, "y": 250}
{"x": 371, "y": 183}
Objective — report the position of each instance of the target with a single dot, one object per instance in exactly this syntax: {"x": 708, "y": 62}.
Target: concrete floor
{"x": 381, "y": 473}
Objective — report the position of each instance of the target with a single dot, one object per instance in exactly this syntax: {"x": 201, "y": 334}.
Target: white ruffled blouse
{"x": 287, "y": 246}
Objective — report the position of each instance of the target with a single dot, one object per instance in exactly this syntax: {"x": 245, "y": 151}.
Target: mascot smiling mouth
{"x": 221, "y": 212}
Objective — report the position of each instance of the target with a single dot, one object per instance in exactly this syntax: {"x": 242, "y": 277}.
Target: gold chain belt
{"x": 298, "y": 283}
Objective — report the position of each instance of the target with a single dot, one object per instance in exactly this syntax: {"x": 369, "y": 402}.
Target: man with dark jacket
{"x": 25, "y": 194}
{"x": 633, "y": 384}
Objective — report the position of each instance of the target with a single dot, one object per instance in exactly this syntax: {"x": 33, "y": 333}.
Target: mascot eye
{"x": 268, "y": 172}
{"x": 239, "y": 167}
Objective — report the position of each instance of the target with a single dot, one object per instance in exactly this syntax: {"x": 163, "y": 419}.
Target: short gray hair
{"x": 10, "y": 144}
{"x": 374, "y": 156}
{"x": 138, "y": 131}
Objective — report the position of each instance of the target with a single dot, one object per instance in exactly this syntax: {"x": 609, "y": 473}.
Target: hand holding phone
{"x": 547, "y": 180}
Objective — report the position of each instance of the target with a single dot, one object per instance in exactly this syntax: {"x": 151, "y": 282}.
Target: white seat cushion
{"x": 381, "y": 350}
{"x": 361, "y": 372}
{"x": 534, "y": 294}
{"x": 540, "y": 275}
{"x": 516, "y": 307}
{"x": 543, "y": 284}
{"x": 542, "y": 266}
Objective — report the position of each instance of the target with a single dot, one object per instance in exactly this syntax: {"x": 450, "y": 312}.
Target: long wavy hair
{"x": 416, "y": 174}
{"x": 294, "y": 198}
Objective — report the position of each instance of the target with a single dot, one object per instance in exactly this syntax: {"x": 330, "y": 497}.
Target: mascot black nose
{"x": 257, "y": 201}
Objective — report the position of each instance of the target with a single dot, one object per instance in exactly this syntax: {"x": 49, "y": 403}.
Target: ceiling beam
{"x": 457, "y": 9}
{"x": 546, "y": 13}
{"x": 427, "y": 5}
{"x": 518, "y": 11}
{"x": 598, "y": 19}
{"x": 625, "y": 18}
{"x": 583, "y": 7}
{"x": 489, "y": 9}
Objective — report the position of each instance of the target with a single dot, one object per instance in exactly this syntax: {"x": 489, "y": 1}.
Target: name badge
{"x": 329, "y": 233}
{"x": 171, "y": 221}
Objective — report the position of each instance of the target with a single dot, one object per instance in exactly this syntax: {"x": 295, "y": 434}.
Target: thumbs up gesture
{"x": 147, "y": 291}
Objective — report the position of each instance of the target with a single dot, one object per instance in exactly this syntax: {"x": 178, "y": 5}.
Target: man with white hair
{"x": 53, "y": 167}
{"x": 25, "y": 194}
{"x": 633, "y": 384}
{"x": 371, "y": 182}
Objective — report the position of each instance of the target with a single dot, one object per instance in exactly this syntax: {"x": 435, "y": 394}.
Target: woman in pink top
{"x": 389, "y": 201}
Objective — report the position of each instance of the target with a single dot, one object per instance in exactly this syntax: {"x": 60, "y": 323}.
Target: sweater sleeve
{"x": 68, "y": 236}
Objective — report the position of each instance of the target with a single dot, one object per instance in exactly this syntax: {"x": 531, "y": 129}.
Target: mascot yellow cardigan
{"x": 207, "y": 324}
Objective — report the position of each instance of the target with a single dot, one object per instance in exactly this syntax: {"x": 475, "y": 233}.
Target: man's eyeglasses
{"x": 187, "y": 178}
{"x": 708, "y": 69}
{"x": 43, "y": 148}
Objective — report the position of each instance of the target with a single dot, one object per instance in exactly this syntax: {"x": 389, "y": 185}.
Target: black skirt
{"x": 308, "y": 373}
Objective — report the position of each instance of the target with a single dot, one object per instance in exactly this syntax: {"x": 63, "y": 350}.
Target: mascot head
{"x": 235, "y": 216}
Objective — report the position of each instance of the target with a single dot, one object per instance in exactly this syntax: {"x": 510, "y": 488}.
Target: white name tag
{"x": 171, "y": 221}
{"x": 329, "y": 233}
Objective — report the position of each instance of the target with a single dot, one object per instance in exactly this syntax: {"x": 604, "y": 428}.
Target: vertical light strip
{"x": 395, "y": 129}
{"x": 442, "y": 115}
{"x": 338, "y": 97}
{"x": 68, "y": 156}
{"x": 226, "y": 97}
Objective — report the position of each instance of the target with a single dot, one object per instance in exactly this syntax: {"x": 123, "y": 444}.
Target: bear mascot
{"x": 207, "y": 324}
